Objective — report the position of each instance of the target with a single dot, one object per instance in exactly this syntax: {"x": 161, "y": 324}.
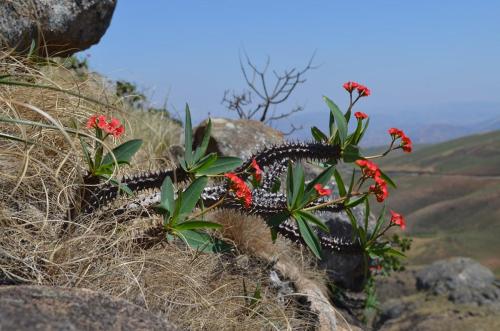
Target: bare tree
{"x": 268, "y": 93}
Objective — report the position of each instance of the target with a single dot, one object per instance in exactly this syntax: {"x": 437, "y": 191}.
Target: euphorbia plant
{"x": 104, "y": 165}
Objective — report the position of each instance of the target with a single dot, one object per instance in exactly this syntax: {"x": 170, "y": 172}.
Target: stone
{"x": 239, "y": 138}
{"x": 462, "y": 279}
{"x": 32, "y": 307}
{"x": 61, "y": 27}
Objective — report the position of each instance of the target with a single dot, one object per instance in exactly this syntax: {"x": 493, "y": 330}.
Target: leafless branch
{"x": 258, "y": 84}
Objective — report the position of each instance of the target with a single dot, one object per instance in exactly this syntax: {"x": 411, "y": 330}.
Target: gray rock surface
{"x": 26, "y": 308}
{"x": 239, "y": 138}
{"x": 463, "y": 280}
{"x": 61, "y": 27}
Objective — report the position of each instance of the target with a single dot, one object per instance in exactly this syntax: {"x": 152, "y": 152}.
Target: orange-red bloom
{"x": 360, "y": 115}
{"x": 398, "y": 219}
{"x": 321, "y": 190}
{"x": 406, "y": 144}
{"x": 363, "y": 91}
{"x": 396, "y": 133}
{"x": 258, "y": 170}
{"x": 369, "y": 168}
{"x": 113, "y": 127}
{"x": 350, "y": 86}
{"x": 91, "y": 122}
{"x": 240, "y": 188}
{"x": 379, "y": 189}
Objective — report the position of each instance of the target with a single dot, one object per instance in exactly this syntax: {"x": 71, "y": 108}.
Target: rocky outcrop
{"x": 239, "y": 138}
{"x": 59, "y": 27}
{"x": 462, "y": 280}
{"x": 26, "y": 308}
{"x": 453, "y": 294}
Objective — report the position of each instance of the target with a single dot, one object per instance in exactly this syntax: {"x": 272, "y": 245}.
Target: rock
{"x": 345, "y": 270}
{"x": 61, "y": 27}
{"x": 239, "y": 138}
{"x": 463, "y": 280}
{"x": 49, "y": 308}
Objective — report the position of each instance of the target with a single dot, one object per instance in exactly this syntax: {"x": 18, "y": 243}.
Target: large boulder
{"x": 49, "y": 308}
{"x": 462, "y": 279}
{"x": 60, "y": 27}
{"x": 239, "y": 138}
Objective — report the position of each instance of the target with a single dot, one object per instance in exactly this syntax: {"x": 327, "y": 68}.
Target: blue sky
{"x": 416, "y": 56}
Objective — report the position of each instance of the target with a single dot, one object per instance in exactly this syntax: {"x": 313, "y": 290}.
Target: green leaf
{"x": 221, "y": 165}
{"x": 351, "y": 183}
{"x": 191, "y": 195}
{"x": 313, "y": 219}
{"x": 339, "y": 119}
{"x": 394, "y": 252}
{"x": 123, "y": 153}
{"x": 367, "y": 213}
{"x": 202, "y": 241}
{"x": 354, "y": 203}
{"x": 378, "y": 225}
{"x": 167, "y": 200}
{"x": 298, "y": 188}
{"x": 351, "y": 153}
{"x": 387, "y": 179}
{"x": 318, "y": 135}
{"x": 323, "y": 178}
{"x": 190, "y": 225}
{"x": 340, "y": 183}
{"x": 204, "y": 163}
{"x": 188, "y": 138}
{"x": 362, "y": 133}
{"x": 309, "y": 236}
{"x": 86, "y": 154}
{"x": 200, "y": 151}
{"x": 274, "y": 221}
{"x": 289, "y": 185}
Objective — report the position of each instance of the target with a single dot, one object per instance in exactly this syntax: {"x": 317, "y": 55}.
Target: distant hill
{"x": 450, "y": 193}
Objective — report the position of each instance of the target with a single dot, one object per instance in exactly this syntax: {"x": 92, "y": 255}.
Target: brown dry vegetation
{"x": 38, "y": 183}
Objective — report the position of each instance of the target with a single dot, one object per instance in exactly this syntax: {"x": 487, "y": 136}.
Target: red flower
{"x": 258, "y": 170}
{"x": 380, "y": 189}
{"x": 396, "y": 133}
{"x": 369, "y": 168}
{"x": 360, "y": 116}
{"x": 113, "y": 127}
{"x": 363, "y": 91}
{"x": 321, "y": 190}
{"x": 398, "y": 219}
{"x": 377, "y": 267}
{"x": 406, "y": 144}
{"x": 350, "y": 86}
{"x": 91, "y": 122}
{"x": 240, "y": 188}
{"x": 101, "y": 122}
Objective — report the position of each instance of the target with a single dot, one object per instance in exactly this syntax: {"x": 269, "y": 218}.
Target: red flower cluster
{"x": 371, "y": 170}
{"x": 321, "y": 190}
{"x": 362, "y": 90}
{"x": 240, "y": 188}
{"x": 398, "y": 219}
{"x": 406, "y": 143}
{"x": 258, "y": 170}
{"x": 360, "y": 115}
{"x": 113, "y": 127}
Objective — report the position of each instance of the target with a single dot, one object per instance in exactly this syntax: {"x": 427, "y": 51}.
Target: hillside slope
{"x": 450, "y": 193}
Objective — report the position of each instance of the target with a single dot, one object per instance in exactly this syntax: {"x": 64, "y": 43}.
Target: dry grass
{"x": 38, "y": 181}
